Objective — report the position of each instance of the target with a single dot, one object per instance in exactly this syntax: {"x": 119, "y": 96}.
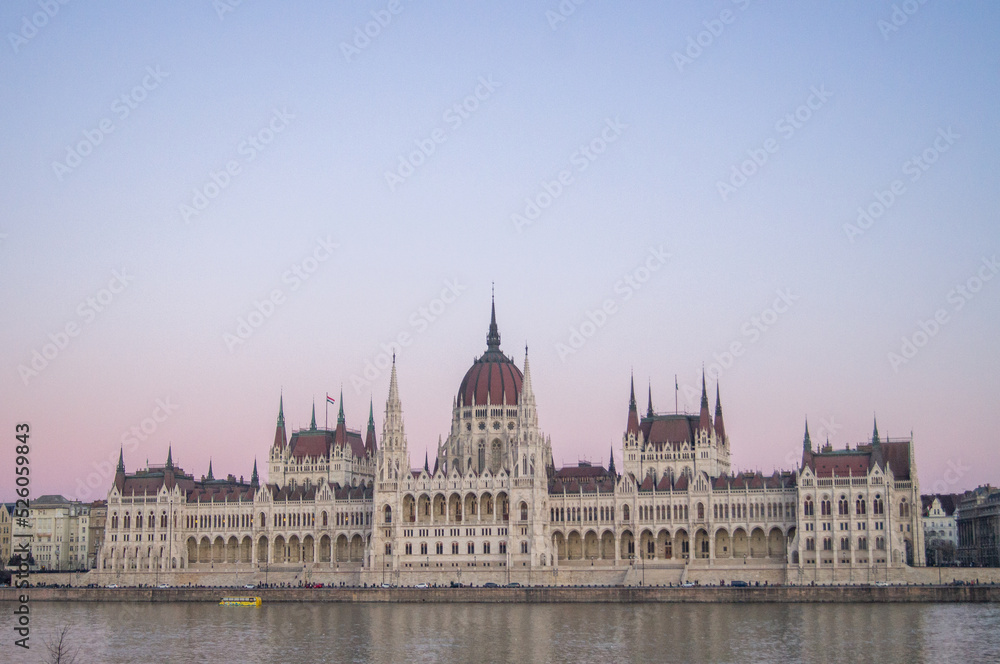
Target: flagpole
{"x": 326, "y": 413}
{"x": 675, "y": 394}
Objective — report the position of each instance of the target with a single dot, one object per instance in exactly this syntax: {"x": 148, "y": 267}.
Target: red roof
{"x": 493, "y": 376}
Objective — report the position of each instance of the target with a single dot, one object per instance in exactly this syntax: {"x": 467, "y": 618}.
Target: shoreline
{"x": 536, "y": 594}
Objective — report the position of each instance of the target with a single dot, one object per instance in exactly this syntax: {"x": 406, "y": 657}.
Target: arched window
{"x": 701, "y": 512}
{"x": 324, "y": 518}
{"x": 843, "y": 507}
{"x": 825, "y": 507}
{"x": 388, "y": 514}
{"x": 625, "y": 513}
{"x": 524, "y": 511}
{"x": 878, "y": 507}
{"x": 859, "y": 505}
{"x": 808, "y": 509}
{"x": 904, "y": 508}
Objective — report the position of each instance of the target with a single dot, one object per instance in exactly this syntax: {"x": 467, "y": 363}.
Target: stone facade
{"x": 60, "y": 531}
{"x": 344, "y": 508}
{"x": 979, "y": 527}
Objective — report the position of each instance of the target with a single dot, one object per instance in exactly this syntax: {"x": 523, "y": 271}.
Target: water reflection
{"x": 520, "y": 632}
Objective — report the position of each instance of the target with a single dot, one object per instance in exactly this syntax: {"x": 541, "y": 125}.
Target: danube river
{"x": 412, "y": 633}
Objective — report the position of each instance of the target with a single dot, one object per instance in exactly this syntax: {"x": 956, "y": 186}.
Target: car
{"x": 111, "y": 585}
{"x": 163, "y": 585}
{"x": 687, "y": 584}
{"x": 421, "y": 585}
{"x": 456, "y": 584}
{"x": 249, "y": 586}
{"x": 490, "y": 584}
{"x": 882, "y": 584}
{"x": 317, "y": 585}
{"x": 513, "y": 584}
{"x": 386, "y": 585}
{"x": 739, "y": 584}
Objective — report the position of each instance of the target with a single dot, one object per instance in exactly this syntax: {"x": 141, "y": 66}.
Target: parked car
{"x": 163, "y": 585}
{"x": 249, "y": 586}
{"x": 111, "y": 585}
{"x": 490, "y": 584}
{"x": 739, "y": 584}
{"x": 687, "y": 584}
{"x": 386, "y": 585}
{"x": 421, "y": 585}
{"x": 513, "y": 584}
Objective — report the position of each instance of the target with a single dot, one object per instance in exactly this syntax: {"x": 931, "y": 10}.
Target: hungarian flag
{"x": 330, "y": 399}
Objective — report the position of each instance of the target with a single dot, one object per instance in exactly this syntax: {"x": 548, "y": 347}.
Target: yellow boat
{"x": 240, "y": 601}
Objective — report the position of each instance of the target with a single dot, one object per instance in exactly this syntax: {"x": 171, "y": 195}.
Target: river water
{"x": 412, "y": 633}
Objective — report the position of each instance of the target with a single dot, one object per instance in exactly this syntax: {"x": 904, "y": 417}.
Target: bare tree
{"x": 60, "y": 651}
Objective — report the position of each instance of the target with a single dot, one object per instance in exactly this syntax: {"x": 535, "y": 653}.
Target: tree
{"x": 59, "y": 650}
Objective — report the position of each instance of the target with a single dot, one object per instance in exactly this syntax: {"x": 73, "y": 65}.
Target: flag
{"x": 330, "y": 399}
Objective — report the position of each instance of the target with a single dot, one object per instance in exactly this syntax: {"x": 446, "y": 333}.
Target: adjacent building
{"x": 939, "y": 517}
{"x": 493, "y": 506}
{"x": 979, "y": 527}
{"x": 6, "y": 529}
{"x": 60, "y": 533}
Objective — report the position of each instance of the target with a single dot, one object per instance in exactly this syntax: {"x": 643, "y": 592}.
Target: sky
{"x": 210, "y": 204}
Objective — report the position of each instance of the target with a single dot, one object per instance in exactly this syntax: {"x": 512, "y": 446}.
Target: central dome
{"x": 493, "y": 377}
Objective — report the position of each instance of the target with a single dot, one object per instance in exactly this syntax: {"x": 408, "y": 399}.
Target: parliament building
{"x": 347, "y": 507}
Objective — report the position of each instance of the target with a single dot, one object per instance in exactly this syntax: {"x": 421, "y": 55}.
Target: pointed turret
{"x": 493, "y": 337}
{"x": 427, "y": 465}
{"x": 280, "y": 439}
{"x": 312, "y": 422}
{"x": 370, "y": 445}
{"x": 254, "y": 479}
{"x": 611, "y": 462}
{"x": 340, "y": 413}
{"x": 649, "y": 405}
{"x": 806, "y": 441}
{"x": 120, "y": 471}
{"x": 210, "y": 476}
{"x": 877, "y": 454}
{"x": 170, "y": 458}
{"x": 720, "y": 429}
{"x": 632, "y": 429}
{"x": 705, "y": 421}
{"x": 527, "y": 392}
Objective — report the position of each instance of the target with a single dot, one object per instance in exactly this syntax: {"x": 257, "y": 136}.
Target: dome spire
{"x": 493, "y": 338}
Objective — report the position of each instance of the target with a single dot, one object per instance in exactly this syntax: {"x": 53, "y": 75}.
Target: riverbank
{"x": 542, "y": 595}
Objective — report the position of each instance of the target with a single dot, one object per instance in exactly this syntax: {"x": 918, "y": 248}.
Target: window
{"x": 524, "y": 511}
{"x": 439, "y": 548}
{"x": 845, "y": 543}
{"x": 878, "y": 507}
{"x": 859, "y": 505}
{"x": 503, "y": 548}
{"x": 388, "y": 514}
{"x": 843, "y": 506}
{"x": 423, "y": 548}
{"x": 486, "y": 547}
{"x": 828, "y": 544}
{"x": 454, "y": 548}
{"x": 825, "y": 508}
{"x": 524, "y": 547}
{"x": 409, "y": 549}
{"x": 624, "y": 515}
{"x": 470, "y": 548}
{"x": 807, "y": 507}
{"x": 863, "y": 543}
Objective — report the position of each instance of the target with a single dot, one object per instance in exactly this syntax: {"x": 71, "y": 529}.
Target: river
{"x": 414, "y": 633}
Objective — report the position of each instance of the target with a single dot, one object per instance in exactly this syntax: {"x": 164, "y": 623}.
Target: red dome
{"x": 494, "y": 376}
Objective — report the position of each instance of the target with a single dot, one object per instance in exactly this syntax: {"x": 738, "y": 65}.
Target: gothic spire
{"x": 632, "y": 428}
{"x": 340, "y": 414}
{"x": 705, "y": 420}
{"x": 806, "y": 441}
{"x": 121, "y": 461}
{"x": 210, "y": 476}
{"x": 493, "y": 338}
{"x": 875, "y": 438}
{"x": 170, "y": 457}
{"x": 254, "y": 479}
{"x": 720, "y": 429}
{"x": 649, "y": 407}
{"x": 279, "y": 430}
{"x": 427, "y": 466}
{"x": 611, "y": 463}
{"x": 312, "y": 423}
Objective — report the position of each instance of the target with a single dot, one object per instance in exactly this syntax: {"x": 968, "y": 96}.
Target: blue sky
{"x": 716, "y": 154}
